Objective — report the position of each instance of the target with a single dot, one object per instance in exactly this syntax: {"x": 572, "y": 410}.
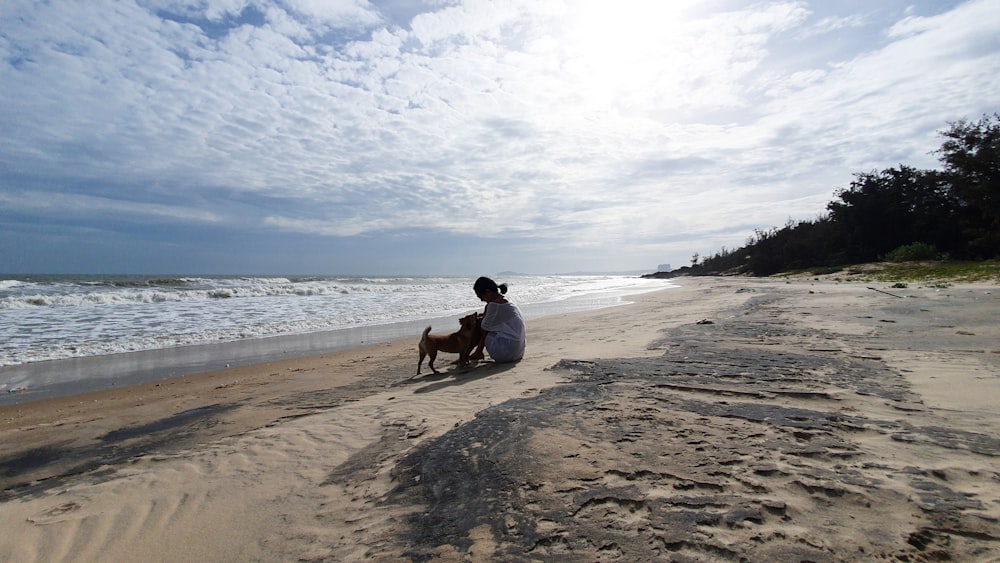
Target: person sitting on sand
{"x": 503, "y": 327}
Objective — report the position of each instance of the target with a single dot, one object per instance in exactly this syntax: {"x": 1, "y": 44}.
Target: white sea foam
{"x": 11, "y": 284}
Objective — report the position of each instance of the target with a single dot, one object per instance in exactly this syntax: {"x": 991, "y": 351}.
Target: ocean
{"x": 64, "y": 334}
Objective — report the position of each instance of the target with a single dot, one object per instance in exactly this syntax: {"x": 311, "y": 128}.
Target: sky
{"x": 459, "y": 137}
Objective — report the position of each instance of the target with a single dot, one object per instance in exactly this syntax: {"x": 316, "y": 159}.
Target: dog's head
{"x": 468, "y": 321}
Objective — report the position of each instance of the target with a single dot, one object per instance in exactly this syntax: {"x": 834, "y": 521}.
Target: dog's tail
{"x": 422, "y": 348}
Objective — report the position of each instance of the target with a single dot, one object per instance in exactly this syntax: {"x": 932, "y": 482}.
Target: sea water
{"x": 50, "y": 324}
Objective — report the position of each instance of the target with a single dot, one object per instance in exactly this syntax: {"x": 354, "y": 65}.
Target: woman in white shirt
{"x": 502, "y": 324}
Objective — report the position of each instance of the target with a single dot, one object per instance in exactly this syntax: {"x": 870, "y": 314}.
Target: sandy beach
{"x": 728, "y": 419}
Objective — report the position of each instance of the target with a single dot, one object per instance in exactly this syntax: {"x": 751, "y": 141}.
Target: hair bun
{"x": 503, "y": 288}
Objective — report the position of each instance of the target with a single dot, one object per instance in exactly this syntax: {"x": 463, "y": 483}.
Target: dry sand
{"x": 801, "y": 420}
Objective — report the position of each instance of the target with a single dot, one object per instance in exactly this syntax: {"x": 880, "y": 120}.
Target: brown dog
{"x": 461, "y": 342}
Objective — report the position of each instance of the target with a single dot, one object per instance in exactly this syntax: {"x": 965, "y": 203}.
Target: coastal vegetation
{"x": 947, "y": 219}
{"x": 929, "y": 272}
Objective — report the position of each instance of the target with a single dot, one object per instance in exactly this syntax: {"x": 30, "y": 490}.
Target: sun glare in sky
{"x": 617, "y": 52}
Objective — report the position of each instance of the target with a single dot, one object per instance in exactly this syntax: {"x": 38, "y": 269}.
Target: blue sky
{"x": 457, "y": 137}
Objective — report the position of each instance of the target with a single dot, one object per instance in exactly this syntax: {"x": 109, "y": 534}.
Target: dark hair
{"x": 485, "y": 284}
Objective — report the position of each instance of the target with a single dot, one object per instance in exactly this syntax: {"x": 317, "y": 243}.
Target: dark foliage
{"x": 971, "y": 158}
{"x": 954, "y": 211}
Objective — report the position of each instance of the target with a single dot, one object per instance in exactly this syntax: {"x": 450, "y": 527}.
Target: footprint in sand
{"x": 55, "y": 514}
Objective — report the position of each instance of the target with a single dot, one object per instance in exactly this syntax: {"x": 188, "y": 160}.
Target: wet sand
{"x": 729, "y": 418}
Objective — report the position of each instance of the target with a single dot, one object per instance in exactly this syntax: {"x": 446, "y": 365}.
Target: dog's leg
{"x": 478, "y": 339}
{"x": 432, "y": 354}
{"x": 422, "y": 347}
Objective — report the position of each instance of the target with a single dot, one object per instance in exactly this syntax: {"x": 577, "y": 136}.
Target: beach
{"x": 799, "y": 419}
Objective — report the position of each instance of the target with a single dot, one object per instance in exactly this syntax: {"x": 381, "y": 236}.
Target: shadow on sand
{"x": 457, "y": 376}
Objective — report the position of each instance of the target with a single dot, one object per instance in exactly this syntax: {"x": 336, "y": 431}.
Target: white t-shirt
{"x": 505, "y": 320}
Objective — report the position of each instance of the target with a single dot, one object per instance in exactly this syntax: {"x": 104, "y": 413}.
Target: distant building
{"x": 663, "y": 268}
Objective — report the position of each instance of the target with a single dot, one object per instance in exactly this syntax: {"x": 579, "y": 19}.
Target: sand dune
{"x": 729, "y": 418}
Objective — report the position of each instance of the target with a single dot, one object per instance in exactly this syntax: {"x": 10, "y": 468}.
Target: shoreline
{"x": 74, "y": 376}
{"x": 760, "y": 418}
{"x": 110, "y": 371}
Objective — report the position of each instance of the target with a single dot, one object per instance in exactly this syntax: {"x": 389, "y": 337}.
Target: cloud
{"x": 99, "y": 208}
{"x": 572, "y": 123}
{"x": 833, "y": 24}
{"x": 892, "y": 86}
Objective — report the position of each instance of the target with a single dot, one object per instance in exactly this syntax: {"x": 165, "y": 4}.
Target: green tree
{"x": 884, "y": 210}
{"x": 901, "y": 213}
{"x": 971, "y": 159}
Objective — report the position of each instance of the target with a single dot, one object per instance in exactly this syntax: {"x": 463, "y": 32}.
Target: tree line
{"x": 897, "y": 214}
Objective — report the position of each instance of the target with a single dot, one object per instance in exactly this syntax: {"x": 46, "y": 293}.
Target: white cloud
{"x": 335, "y": 13}
{"x": 895, "y": 97}
{"x": 579, "y": 122}
{"x": 212, "y": 10}
{"x": 834, "y": 23}
{"x": 103, "y": 208}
